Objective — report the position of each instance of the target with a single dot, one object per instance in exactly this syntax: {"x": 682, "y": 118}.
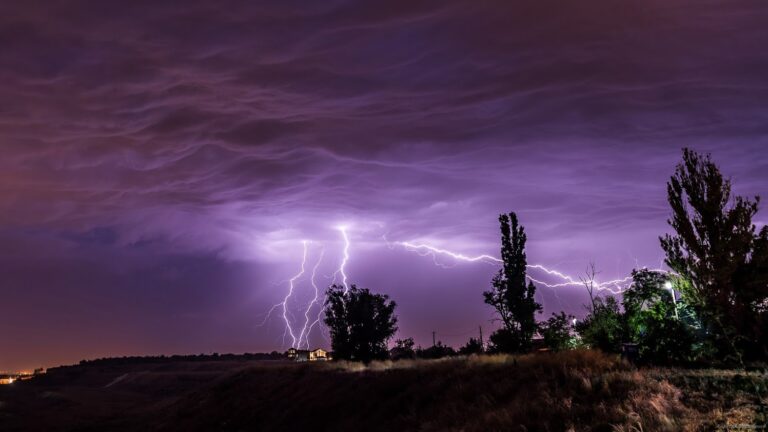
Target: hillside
{"x": 578, "y": 390}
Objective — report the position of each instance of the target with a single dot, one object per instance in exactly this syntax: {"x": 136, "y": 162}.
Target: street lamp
{"x": 668, "y": 285}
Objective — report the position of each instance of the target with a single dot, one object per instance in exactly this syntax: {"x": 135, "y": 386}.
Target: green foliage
{"x": 360, "y": 323}
{"x": 510, "y": 295}
{"x": 648, "y": 288}
{"x": 715, "y": 248}
{"x": 663, "y": 328}
{"x": 556, "y": 332}
{"x": 473, "y": 346}
{"x": 665, "y": 340}
{"x": 603, "y": 327}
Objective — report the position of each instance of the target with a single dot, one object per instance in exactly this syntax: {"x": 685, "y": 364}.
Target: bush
{"x": 662, "y": 327}
{"x": 603, "y": 327}
{"x": 473, "y": 346}
{"x": 403, "y": 349}
{"x": 436, "y": 351}
{"x": 506, "y": 341}
{"x": 557, "y": 332}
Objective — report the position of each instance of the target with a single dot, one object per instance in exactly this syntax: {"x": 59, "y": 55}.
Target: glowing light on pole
{"x": 668, "y": 285}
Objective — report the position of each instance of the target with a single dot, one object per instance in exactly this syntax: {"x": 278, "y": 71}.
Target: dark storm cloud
{"x": 234, "y": 129}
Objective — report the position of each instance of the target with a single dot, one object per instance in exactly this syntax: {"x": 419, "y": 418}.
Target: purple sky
{"x": 161, "y": 164}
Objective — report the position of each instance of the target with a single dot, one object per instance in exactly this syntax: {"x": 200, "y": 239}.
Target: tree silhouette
{"x": 718, "y": 254}
{"x": 556, "y": 332}
{"x": 360, "y": 323}
{"x": 435, "y": 351}
{"x": 403, "y": 349}
{"x": 473, "y": 346}
{"x": 603, "y": 327}
{"x": 512, "y": 298}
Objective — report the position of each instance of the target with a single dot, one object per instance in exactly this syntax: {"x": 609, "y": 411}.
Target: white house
{"x": 318, "y": 354}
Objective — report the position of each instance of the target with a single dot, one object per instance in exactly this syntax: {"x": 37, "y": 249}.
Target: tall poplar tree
{"x": 510, "y": 294}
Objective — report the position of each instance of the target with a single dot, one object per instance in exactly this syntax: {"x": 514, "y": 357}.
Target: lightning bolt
{"x": 291, "y": 283}
{"x": 315, "y": 322}
{"x": 345, "y": 258}
{"x": 341, "y": 270}
{"x": 614, "y": 286}
{"x": 305, "y": 330}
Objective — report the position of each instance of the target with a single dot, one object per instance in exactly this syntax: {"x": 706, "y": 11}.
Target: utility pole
{"x": 433, "y": 338}
{"x": 482, "y": 345}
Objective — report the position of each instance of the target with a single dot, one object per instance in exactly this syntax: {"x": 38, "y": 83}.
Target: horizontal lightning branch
{"x": 614, "y": 286}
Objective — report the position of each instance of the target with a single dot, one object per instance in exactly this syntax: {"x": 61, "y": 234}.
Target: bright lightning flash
{"x": 291, "y": 283}
{"x": 345, "y": 258}
{"x": 614, "y": 286}
{"x": 306, "y": 329}
{"x": 341, "y": 270}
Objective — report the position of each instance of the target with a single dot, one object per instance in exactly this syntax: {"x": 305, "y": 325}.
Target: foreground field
{"x": 580, "y": 390}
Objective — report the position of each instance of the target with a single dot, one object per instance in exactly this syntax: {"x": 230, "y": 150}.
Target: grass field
{"x": 578, "y": 390}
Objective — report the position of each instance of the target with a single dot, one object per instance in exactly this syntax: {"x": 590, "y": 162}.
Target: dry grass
{"x": 572, "y": 391}
{"x": 579, "y": 391}
{"x": 719, "y": 398}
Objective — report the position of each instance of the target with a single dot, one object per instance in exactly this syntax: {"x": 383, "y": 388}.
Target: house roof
{"x": 313, "y": 350}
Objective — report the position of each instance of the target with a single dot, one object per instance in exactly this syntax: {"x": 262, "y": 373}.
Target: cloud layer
{"x": 221, "y": 135}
